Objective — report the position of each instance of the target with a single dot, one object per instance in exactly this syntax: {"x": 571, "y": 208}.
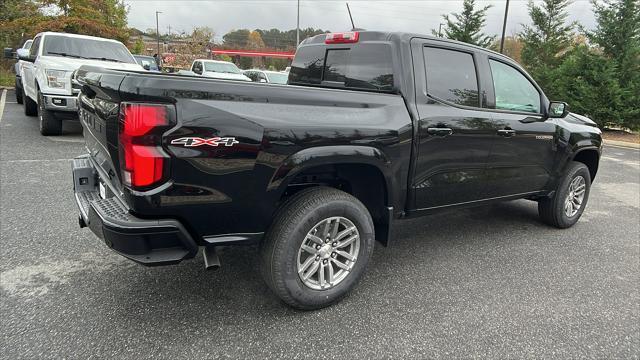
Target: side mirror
{"x": 146, "y": 67}
{"x": 558, "y": 109}
{"x": 8, "y": 53}
{"x": 263, "y": 80}
{"x": 22, "y": 52}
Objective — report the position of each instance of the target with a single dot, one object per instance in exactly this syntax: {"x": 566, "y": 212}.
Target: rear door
{"x": 523, "y": 153}
{"x": 455, "y": 133}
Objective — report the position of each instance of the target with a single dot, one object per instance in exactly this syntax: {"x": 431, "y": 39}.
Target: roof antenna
{"x": 353, "y": 27}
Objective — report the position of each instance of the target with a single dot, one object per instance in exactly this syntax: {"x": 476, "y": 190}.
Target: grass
{"x": 7, "y": 77}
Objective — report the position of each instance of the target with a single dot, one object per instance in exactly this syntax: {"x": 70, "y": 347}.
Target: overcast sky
{"x": 391, "y": 15}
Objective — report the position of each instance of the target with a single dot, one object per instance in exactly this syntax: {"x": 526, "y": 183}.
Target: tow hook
{"x": 211, "y": 259}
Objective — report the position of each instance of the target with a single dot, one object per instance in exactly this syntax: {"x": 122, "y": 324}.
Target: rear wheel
{"x": 30, "y": 106}
{"x": 49, "y": 124}
{"x": 18, "y": 93}
{"x": 567, "y": 204}
{"x": 317, "y": 248}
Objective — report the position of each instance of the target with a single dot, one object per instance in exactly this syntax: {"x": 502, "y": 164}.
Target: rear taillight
{"x": 143, "y": 163}
{"x": 342, "y": 38}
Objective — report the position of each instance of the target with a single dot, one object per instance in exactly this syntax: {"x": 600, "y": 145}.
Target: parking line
{"x": 2, "y": 98}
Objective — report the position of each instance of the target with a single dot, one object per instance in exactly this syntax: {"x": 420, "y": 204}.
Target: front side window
{"x": 513, "y": 90}
{"x": 33, "y": 51}
{"x": 451, "y": 76}
{"x": 83, "y": 48}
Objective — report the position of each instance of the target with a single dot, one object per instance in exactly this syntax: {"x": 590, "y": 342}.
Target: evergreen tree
{"x": 618, "y": 35}
{"x": 467, "y": 25}
{"x": 546, "y": 40}
{"x": 588, "y": 82}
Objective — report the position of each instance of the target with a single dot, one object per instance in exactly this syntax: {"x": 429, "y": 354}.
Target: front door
{"x": 523, "y": 153}
{"x": 454, "y": 133}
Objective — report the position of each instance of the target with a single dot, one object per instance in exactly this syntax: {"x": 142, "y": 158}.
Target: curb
{"x": 624, "y": 144}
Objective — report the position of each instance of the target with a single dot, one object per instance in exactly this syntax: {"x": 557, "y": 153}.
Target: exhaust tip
{"x": 211, "y": 259}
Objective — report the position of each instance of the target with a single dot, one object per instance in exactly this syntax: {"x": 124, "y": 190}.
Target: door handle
{"x": 439, "y": 131}
{"x": 506, "y": 132}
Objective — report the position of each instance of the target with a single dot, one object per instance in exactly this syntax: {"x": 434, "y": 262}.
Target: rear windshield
{"x": 67, "y": 46}
{"x": 366, "y": 67}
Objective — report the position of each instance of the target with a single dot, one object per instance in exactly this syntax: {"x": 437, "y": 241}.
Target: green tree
{"x": 588, "y": 82}
{"x": 138, "y": 47}
{"x": 545, "y": 41}
{"x": 618, "y": 35}
{"x": 467, "y": 25}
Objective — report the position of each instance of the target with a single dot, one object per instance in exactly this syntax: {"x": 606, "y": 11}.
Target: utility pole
{"x": 440, "y": 30}
{"x": 353, "y": 26}
{"x": 298, "y": 26}
{"x": 504, "y": 26}
{"x": 158, "y": 34}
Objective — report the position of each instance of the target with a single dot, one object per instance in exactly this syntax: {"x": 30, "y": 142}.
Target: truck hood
{"x": 71, "y": 64}
{"x": 581, "y": 119}
{"x": 217, "y": 75}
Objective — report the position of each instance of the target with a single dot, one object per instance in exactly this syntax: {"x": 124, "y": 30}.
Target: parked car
{"x": 374, "y": 127}
{"x": 217, "y": 70}
{"x": 17, "y": 68}
{"x": 46, "y": 73}
{"x": 147, "y": 62}
{"x": 266, "y": 76}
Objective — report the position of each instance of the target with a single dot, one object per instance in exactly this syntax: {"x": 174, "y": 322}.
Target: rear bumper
{"x": 148, "y": 242}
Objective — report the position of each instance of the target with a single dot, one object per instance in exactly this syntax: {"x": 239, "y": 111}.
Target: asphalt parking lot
{"x": 482, "y": 282}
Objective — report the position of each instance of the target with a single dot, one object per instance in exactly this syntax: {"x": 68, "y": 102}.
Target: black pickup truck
{"x": 372, "y": 127}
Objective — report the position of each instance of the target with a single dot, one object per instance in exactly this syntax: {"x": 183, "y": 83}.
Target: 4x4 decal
{"x": 196, "y": 141}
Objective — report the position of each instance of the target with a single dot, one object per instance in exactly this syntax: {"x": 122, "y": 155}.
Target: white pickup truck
{"x": 218, "y": 70}
{"x": 47, "y": 86}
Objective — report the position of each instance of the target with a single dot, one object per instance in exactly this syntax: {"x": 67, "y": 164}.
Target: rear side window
{"x": 451, "y": 76}
{"x": 366, "y": 67}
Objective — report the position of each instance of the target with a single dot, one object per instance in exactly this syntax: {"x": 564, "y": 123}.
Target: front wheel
{"x": 317, "y": 248}
{"x": 567, "y": 204}
{"x": 30, "y": 106}
{"x": 49, "y": 124}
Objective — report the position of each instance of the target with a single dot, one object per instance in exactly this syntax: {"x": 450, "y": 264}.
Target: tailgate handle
{"x": 439, "y": 131}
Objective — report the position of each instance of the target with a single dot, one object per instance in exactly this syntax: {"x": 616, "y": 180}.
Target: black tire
{"x": 49, "y": 124}
{"x": 30, "y": 106}
{"x": 280, "y": 249}
{"x": 552, "y": 209}
{"x": 18, "y": 93}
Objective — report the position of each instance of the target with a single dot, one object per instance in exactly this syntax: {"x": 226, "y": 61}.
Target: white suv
{"x": 46, "y": 72}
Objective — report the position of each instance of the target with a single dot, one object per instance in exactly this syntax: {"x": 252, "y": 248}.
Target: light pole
{"x": 298, "y": 26}
{"x": 440, "y": 30}
{"x": 158, "y": 34}
{"x": 504, "y": 26}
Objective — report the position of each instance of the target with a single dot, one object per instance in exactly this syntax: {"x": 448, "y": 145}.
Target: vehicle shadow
{"x": 236, "y": 291}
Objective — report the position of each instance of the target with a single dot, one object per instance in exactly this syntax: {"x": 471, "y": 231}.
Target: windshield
{"x": 67, "y": 46}
{"x": 278, "y": 78}
{"x": 27, "y": 45}
{"x": 145, "y": 61}
{"x": 228, "y": 68}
